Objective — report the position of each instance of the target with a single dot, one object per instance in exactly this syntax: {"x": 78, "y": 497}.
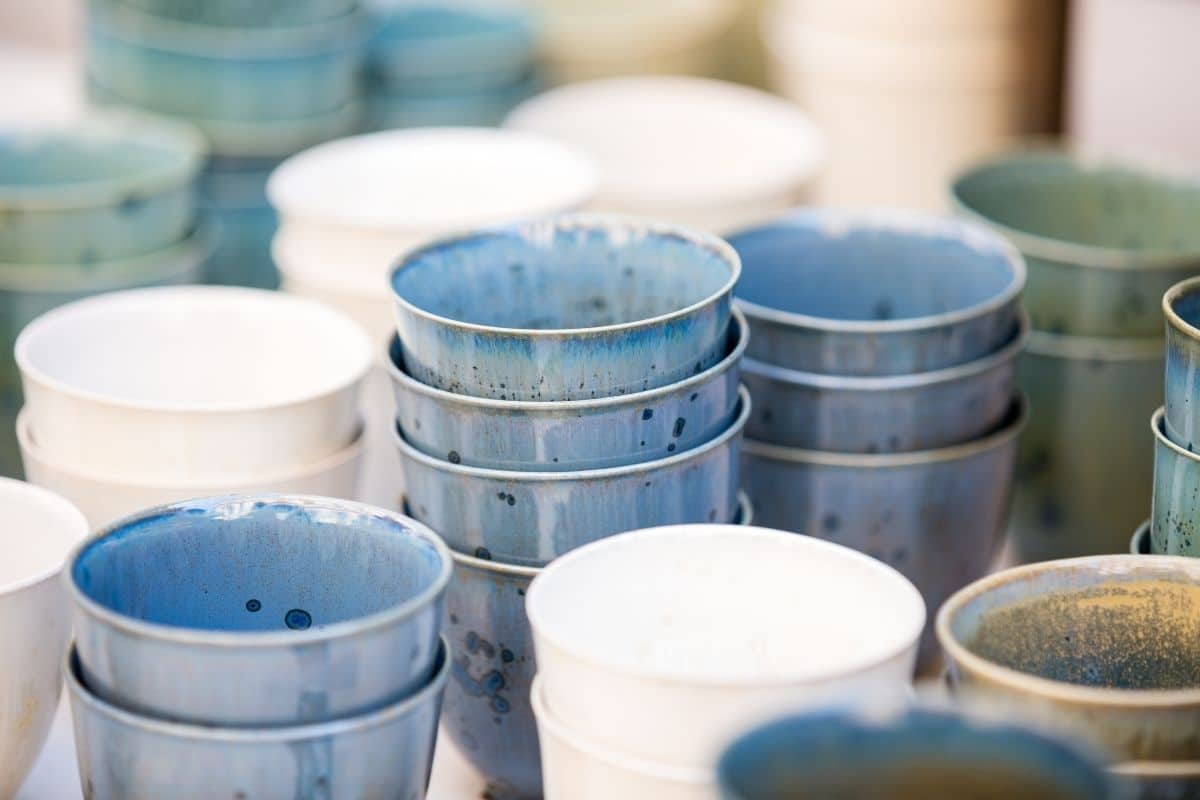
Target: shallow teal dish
{"x": 487, "y": 108}
{"x": 246, "y": 13}
{"x": 111, "y": 187}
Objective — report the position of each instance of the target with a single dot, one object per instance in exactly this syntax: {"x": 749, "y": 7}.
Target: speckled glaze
{"x": 236, "y": 199}
{"x": 211, "y": 72}
{"x": 894, "y": 414}
{"x": 115, "y": 186}
{"x": 277, "y": 609}
{"x": 1105, "y": 647}
{"x": 1086, "y": 464}
{"x": 1104, "y": 238}
{"x": 530, "y": 518}
{"x": 29, "y": 290}
{"x": 244, "y": 14}
{"x": 387, "y": 752}
{"x": 480, "y": 108}
{"x": 900, "y": 508}
{"x": 1175, "y": 510}
{"x": 915, "y": 755}
{"x": 1139, "y": 545}
{"x": 572, "y": 435}
{"x": 572, "y": 308}
{"x": 871, "y": 293}
{"x": 1181, "y": 307}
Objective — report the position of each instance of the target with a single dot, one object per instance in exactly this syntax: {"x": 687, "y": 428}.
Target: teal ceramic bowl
{"x": 233, "y": 195}
{"x": 245, "y": 13}
{"x": 1103, "y": 238}
{"x": 208, "y": 72}
{"x": 114, "y": 186}
{"x": 487, "y": 108}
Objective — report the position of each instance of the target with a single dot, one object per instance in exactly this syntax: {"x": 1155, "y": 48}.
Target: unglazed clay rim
{"x": 494, "y": 567}
{"x": 1175, "y": 322}
{"x": 1095, "y": 348}
{"x": 1135, "y": 542}
{"x": 62, "y": 508}
{"x": 745, "y": 510}
{"x": 1027, "y": 683}
{"x": 897, "y": 221}
{"x": 1157, "y": 769}
{"x": 1157, "y": 424}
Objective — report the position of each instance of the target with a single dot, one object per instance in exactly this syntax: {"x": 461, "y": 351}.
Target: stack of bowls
{"x": 1104, "y": 238}
{"x": 444, "y": 63}
{"x": 882, "y": 365}
{"x": 258, "y": 646}
{"x": 103, "y": 204}
{"x": 657, "y": 647}
{"x": 141, "y": 398}
{"x": 262, "y": 80}
{"x": 556, "y": 382}
{"x": 907, "y": 92}
{"x": 349, "y": 208}
{"x": 1104, "y": 648}
{"x": 664, "y": 144}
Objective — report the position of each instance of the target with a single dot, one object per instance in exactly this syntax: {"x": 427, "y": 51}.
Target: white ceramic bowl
{"x": 665, "y": 643}
{"x": 37, "y": 531}
{"x": 104, "y": 500}
{"x": 200, "y": 385}
{"x": 574, "y": 769}
{"x": 916, "y": 18}
{"x": 695, "y": 152}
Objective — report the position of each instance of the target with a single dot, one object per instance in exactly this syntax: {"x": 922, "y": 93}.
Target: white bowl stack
{"x": 906, "y": 92}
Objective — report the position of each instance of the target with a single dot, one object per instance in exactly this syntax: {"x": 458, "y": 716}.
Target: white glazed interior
{"x": 37, "y": 530}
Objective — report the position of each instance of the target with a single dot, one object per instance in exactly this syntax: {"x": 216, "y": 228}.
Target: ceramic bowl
{"x": 530, "y": 518}
{"x": 40, "y": 528}
{"x": 686, "y": 652}
{"x": 572, "y": 308}
{"x": 1174, "y": 530}
{"x": 279, "y": 609}
{"x": 387, "y": 109}
{"x": 233, "y": 192}
{"x": 240, "y": 14}
{"x": 1139, "y": 545}
{"x": 1104, "y": 646}
{"x": 874, "y": 293}
{"x": 197, "y": 384}
{"x": 110, "y": 187}
{"x": 1104, "y": 237}
{"x": 1181, "y": 307}
{"x": 387, "y": 752}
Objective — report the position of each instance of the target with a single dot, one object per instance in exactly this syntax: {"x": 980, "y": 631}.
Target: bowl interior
{"x": 1068, "y": 199}
{"x": 39, "y": 530}
{"x": 1186, "y": 304}
{"x": 917, "y": 756}
{"x": 1135, "y": 626}
{"x": 239, "y": 564}
{"x": 551, "y": 276}
{"x": 716, "y": 603}
{"x": 870, "y": 270}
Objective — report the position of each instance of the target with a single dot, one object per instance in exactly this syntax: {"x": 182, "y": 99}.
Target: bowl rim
{"x": 1175, "y": 321}
{"x": 961, "y": 657}
{"x": 1135, "y": 541}
{"x": 900, "y": 221}
{"x": 1095, "y": 348}
{"x": 60, "y": 506}
{"x": 211, "y": 639}
{"x": 494, "y": 567}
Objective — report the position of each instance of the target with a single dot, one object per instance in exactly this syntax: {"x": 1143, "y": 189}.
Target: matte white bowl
{"x": 211, "y": 385}
{"x": 37, "y": 531}
{"x": 665, "y": 643}
{"x": 104, "y": 500}
{"x": 574, "y": 769}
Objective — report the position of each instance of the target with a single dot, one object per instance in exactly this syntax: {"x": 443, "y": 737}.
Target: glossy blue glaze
{"x": 219, "y": 73}
{"x": 891, "y": 414}
{"x": 235, "y": 198}
{"x": 485, "y": 108}
{"x": 530, "y": 518}
{"x": 870, "y": 293}
{"x": 117, "y": 186}
{"x": 573, "y": 308}
{"x": 916, "y": 755}
{"x": 1175, "y": 511}
{"x": 1181, "y": 307}
{"x": 937, "y": 516}
{"x": 387, "y": 753}
{"x": 255, "y": 611}
{"x": 573, "y": 435}
{"x": 243, "y": 14}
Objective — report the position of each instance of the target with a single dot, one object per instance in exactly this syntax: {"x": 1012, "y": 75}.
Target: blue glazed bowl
{"x": 235, "y": 198}
{"x": 916, "y": 755}
{"x": 258, "y": 611}
{"x": 244, "y": 13}
{"x": 208, "y": 72}
{"x": 386, "y": 752}
{"x": 111, "y": 187}
{"x": 572, "y": 308}
{"x": 480, "y": 108}
{"x": 873, "y": 293}
{"x": 1181, "y": 307}
{"x": 1175, "y": 514}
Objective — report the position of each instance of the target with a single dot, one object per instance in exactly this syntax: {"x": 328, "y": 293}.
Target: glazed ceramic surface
{"x": 1105, "y": 647}
{"x": 572, "y": 308}
{"x": 1175, "y": 530}
{"x": 279, "y": 610}
{"x": 1139, "y": 545}
{"x": 872, "y": 293}
{"x": 1086, "y": 461}
{"x": 530, "y": 518}
{"x": 111, "y": 187}
{"x": 481, "y": 107}
{"x": 899, "y": 508}
{"x": 198, "y": 384}
{"x": 1181, "y": 307}
{"x": 387, "y": 752}
{"x": 241, "y": 14}
{"x": 645, "y": 645}
{"x": 573, "y": 435}
{"x": 236, "y": 199}
{"x": 1161, "y": 780}
{"x": 1104, "y": 238}
{"x": 901, "y": 413}
{"x": 39, "y": 529}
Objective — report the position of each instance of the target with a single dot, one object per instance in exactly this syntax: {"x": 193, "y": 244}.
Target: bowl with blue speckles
{"x": 1176, "y": 503}
{"x": 1181, "y": 307}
